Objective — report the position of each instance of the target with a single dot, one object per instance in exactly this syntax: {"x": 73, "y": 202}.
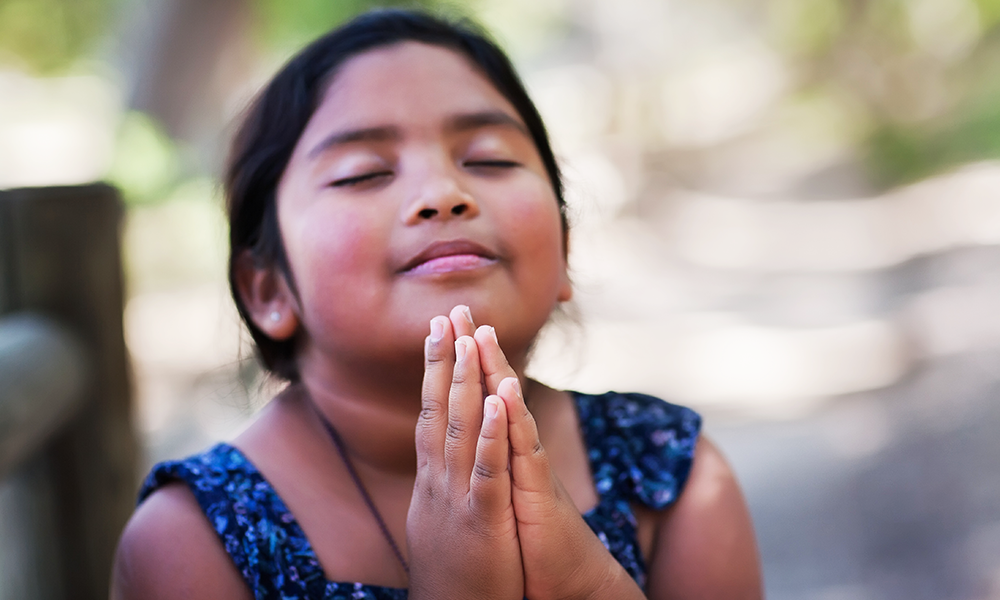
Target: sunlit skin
{"x": 425, "y": 243}
{"x": 455, "y": 146}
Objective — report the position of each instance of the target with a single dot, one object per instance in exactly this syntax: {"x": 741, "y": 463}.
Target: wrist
{"x": 605, "y": 579}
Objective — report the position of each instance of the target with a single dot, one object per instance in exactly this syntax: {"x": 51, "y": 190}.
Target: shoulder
{"x": 221, "y": 471}
{"x": 170, "y": 550}
{"x": 704, "y": 544}
{"x": 632, "y": 409}
{"x": 639, "y": 445}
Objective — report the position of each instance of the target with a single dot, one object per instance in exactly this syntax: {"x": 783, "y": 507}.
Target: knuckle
{"x": 537, "y": 451}
{"x": 433, "y": 358}
{"x": 456, "y": 431}
{"x": 425, "y": 500}
{"x": 428, "y": 493}
{"x": 484, "y": 473}
{"x": 489, "y": 436}
{"x": 430, "y": 411}
{"x": 460, "y": 378}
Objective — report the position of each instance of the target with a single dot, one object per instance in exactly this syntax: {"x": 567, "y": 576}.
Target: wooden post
{"x": 59, "y": 256}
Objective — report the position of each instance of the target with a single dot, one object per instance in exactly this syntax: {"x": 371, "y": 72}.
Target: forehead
{"x": 406, "y": 84}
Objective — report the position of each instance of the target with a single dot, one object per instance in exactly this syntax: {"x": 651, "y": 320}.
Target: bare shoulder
{"x": 704, "y": 545}
{"x": 169, "y": 550}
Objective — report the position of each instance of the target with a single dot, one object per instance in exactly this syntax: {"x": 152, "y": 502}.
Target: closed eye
{"x": 359, "y": 179}
{"x": 492, "y": 163}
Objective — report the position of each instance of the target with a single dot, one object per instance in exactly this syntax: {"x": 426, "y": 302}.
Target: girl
{"x": 389, "y": 189}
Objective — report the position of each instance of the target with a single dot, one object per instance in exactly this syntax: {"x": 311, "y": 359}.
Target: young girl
{"x": 390, "y": 189}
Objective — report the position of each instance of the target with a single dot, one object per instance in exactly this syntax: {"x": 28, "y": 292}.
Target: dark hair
{"x": 276, "y": 118}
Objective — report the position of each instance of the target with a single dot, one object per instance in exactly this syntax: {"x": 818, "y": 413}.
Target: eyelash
{"x": 496, "y": 164}
{"x": 359, "y": 179}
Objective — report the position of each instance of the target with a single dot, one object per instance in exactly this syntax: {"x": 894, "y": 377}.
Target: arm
{"x": 170, "y": 551}
{"x": 704, "y": 546}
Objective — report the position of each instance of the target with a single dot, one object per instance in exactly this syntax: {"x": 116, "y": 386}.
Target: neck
{"x": 376, "y": 422}
{"x": 374, "y": 409}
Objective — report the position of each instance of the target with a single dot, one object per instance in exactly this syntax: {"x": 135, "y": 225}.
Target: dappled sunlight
{"x": 720, "y": 361}
{"x": 953, "y": 211}
{"x": 56, "y": 131}
{"x": 784, "y": 214}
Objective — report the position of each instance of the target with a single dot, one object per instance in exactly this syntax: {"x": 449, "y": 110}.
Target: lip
{"x": 466, "y": 255}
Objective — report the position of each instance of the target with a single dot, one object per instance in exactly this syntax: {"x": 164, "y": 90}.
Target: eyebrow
{"x": 387, "y": 133}
{"x": 365, "y": 134}
{"x": 465, "y": 122}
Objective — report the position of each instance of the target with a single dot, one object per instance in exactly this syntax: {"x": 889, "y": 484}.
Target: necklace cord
{"x": 342, "y": 450}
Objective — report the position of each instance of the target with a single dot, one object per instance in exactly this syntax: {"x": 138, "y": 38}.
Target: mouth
{"x": 447, "y": 257}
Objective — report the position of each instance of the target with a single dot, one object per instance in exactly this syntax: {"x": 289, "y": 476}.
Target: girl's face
{"x": 415, "y": 187}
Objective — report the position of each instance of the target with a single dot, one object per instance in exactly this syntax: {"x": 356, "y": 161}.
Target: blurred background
{"x": 786, "y": 214}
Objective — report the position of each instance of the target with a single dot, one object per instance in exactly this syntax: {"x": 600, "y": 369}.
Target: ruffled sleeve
{"x": 638, "y": 445}
{"x": 257, "y": 530}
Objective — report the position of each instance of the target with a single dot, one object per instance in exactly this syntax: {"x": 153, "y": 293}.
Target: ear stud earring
{"x": 275, "y": 316}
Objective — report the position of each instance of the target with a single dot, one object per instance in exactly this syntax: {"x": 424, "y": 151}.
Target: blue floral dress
{"x": 639, "y": 447}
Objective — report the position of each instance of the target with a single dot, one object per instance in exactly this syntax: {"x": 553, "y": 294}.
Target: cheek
{"x": 531, "y": 219}
{"x": 531, "y": 228}
{"x": 331, "y": 251}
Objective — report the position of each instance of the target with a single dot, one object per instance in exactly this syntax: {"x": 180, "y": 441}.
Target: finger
{"x": 439, "y": 362}
{"x": 489, "y": 487}
{"x": 529, "y": 465}
{"x": 465, "y": 412}
{"x": 461, "y": 321}
{"x": 491, "y": 357}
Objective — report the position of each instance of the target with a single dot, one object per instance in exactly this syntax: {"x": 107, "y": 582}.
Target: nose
{"x": 441, "y": 198}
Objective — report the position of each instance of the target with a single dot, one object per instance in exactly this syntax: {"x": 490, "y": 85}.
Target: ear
{"x": 267, "y": 297}
{"x": 565, "y": 284}
{"x": 565, "y": 288}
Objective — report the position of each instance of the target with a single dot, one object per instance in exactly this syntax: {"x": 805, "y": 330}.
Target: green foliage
{"x": 895, "y": 155}
{"x": 805, "y": 27}
{"x": 47, "y": 36}
{"x": 901, "y": 152}
{"x": 898, "y": 155}
{"x": 989, "y": 12}
{"x": 145, "y": 164}
{"x": 882, "y": 27}
{"x": 289, "y": 24}
{"x": 883, "y": 52}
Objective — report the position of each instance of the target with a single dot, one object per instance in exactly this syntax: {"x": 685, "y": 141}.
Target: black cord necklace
{"x": 342, "y": 450}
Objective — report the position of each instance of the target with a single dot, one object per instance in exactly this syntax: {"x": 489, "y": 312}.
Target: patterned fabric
{"x": 639, "y": 447}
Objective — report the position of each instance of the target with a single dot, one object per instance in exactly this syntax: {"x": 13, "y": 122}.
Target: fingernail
{"x": 437, "y": 330}
{"x": 468, "y": 314}
{"x": 460, "y": 349}
{"x": 517, "y": 388}
{"x": 493, "y": 334}
{"x": 491, "y": 407}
